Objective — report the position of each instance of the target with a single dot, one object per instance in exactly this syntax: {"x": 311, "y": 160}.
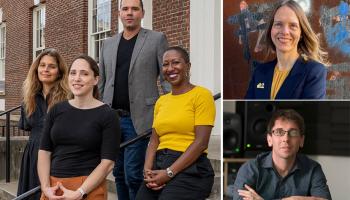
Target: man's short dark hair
{"x": 141, "y": 4}
{"x": 287, "y": 114}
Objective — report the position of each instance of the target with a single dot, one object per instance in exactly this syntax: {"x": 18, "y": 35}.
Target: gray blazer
{"x": 145, "y": 66}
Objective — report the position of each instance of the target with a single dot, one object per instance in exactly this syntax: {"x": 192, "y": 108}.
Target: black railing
{"x": 15, "y": 131}
{"x": 122, "y": 145}
{"x": 7, "y": 141}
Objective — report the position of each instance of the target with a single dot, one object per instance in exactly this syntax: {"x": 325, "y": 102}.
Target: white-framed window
{"x": 2, "y": 57}
{"x": 38, "y": 30}
{"x": 99, "y": 25}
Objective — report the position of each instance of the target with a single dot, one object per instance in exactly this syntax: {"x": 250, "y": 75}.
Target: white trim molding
{"x": 205, "y": 37}
{"x": 39, "y": 16}
{"x": 99, "y": 25}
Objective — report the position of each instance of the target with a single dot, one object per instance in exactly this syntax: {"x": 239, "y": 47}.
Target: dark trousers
{"x": 128, "y": 170}
{"x": 194, "y": 182}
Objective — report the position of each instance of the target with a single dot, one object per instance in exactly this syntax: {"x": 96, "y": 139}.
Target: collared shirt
{"x": 305, "y": 179}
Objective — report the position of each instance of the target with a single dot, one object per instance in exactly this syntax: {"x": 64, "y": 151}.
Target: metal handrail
{"x": 122, "y": 145}
{"x": 8, "y": 111}
{"x": 7, "y": 141}
{"x": 28, "y": 193}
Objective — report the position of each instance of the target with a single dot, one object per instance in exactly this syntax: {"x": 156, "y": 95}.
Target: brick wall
{"x": 67, "y": 27}
{"x": 173, "y": 18}
{"x": 114, "y": 15}
{"x": 67, "y": 31}
{"x": 18, "y": 47}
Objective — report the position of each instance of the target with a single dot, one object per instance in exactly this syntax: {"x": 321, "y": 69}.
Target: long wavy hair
{"x": 32, "y": 85}
{"x": 309, "y": 44}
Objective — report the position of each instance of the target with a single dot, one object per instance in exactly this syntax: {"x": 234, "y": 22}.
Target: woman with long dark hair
{"x": 45, "y": 85}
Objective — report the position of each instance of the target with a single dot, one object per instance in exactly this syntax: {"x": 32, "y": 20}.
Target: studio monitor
{"x": 233, "y": 136}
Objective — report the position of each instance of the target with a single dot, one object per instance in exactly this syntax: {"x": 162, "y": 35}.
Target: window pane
{"x": 43, "y": 18}
{"x": 38, "y": 16}
{"x": 101, "y": 23}
{"x": 42, "y": 39}
{"x": 108, "y": 12}
{"x": 94, "y": 24}
{"x": 96, "y": 49}
{"x": 2, "y": 56}
{"x": 37, "y": 38}
{"x": 2, "y": 69}
{"x": 39, "y": 27}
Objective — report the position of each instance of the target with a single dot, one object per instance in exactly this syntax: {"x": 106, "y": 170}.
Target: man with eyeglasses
{"x": 282, "y": 173}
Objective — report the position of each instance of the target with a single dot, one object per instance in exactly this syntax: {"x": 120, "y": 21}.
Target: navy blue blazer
{"x": 306, "y": 80}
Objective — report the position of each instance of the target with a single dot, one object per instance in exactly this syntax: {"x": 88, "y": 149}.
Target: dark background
{"x": 327, "y": 127}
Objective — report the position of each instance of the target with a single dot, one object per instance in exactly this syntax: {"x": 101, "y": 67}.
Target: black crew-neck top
{"x": 80, "y": 138}
{"x": 121, "y": 85}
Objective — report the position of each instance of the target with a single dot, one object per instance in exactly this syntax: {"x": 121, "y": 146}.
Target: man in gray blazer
{"x": 130, "y": 63}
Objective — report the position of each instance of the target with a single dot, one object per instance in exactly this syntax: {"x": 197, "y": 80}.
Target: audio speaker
{"x": 257, "y": 116}
{"x": 327, "y": 125}
{"x": 232, "y": 134}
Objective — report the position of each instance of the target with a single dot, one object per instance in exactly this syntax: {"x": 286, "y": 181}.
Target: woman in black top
{"x": 45, "y": 85}
{"x": 80, "y": 140}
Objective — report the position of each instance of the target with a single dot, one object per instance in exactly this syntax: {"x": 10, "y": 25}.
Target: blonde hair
{"x": 309, "y": 44}
{"x": 32, "y": 85}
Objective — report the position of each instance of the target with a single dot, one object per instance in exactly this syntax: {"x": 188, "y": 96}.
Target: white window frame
{"x": 38, "y": 27}
{"x": 105, "y": 32}
{"x": 2, "y": 56}
{"x": 36, "y": 2}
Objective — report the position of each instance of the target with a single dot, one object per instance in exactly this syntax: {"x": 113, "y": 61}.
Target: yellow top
{"x": 175, "y": 117}
{"x": 278, "y": 78}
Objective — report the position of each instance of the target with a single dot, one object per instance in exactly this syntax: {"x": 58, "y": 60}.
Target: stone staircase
{"x": 8, "y": 190}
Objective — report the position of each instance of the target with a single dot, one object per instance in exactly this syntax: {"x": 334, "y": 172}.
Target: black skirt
{"x": 29, "y": 178}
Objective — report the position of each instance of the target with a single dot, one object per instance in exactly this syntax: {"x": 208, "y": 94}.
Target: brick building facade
{"x": 67, "y": 29}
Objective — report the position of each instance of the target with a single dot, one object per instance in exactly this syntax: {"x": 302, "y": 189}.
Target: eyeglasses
{"x": 280, "y": 132}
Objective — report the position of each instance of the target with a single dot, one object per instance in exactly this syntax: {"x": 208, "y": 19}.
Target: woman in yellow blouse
{"x": 176, "y": 165}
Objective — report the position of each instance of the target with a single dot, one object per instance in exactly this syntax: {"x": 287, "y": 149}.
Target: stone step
{"x": 111, "y": 183}
{"x": 8, "y": 191}
{"x": 216, "y": 190}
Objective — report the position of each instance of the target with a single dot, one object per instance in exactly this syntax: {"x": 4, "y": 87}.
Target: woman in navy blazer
{"x": 299, "y": 58}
